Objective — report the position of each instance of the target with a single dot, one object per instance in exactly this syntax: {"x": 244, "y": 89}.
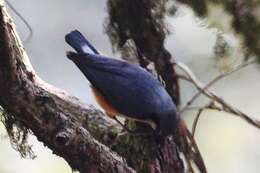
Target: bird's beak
{"x": 152, "y": 124}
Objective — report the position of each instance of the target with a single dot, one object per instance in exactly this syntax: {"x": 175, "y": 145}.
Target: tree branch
{"x": 54, "y": 117}
{"x": 216, "y": 79}
{"x": 222, "y": 104}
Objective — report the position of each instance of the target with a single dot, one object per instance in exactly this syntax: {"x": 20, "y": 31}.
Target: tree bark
{"x": 79, "y": 133}
{"x": 54, "y": 117}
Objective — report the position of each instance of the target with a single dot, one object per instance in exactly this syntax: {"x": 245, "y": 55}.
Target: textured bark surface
{"x": 55, "y": 118}
{"x": 80, "y": 134}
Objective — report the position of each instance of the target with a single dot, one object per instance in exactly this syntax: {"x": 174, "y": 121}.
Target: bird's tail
{"x": 189, "y": 148}
{"x": 76, "y": 40}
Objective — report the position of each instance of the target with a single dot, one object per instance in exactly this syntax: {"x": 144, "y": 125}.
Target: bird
{"x": 130, "y": 91}
{"x": 124, "y": 89}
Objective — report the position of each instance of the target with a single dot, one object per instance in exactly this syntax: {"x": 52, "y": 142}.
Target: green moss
{"x": 199, "y": 6}
{"x": 18, "y": 134}
{"x": 139, "y": 148}
{"x": 245, "y": 21}
{"x": 141, "y": 20}
{"x": 107, "y": 137}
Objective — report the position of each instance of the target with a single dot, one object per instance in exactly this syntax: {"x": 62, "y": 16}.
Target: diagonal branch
{"x": 212, "y": 96}
{"x": 216, "y": 79}
{"x": 54, "y": 117}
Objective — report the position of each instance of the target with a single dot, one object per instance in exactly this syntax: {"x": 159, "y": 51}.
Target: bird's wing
{"x": 129, "y": 89}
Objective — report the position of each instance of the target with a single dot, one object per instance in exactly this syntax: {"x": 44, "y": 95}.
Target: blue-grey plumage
{"x": 129, "y": 89}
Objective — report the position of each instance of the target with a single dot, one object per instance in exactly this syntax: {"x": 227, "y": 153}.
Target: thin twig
{"x": 30, "y": 30}
{"x": 211, "y": 95}
{"x": 216, "y": 79}
{"x": 211, "y": 105}
{"x": 196, "y": 120}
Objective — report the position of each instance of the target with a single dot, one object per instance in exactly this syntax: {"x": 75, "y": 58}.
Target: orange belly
{"x": 110, "y": 111}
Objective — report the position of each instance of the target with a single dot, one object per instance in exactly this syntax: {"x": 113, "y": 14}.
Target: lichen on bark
{"x": 18, "y": 134}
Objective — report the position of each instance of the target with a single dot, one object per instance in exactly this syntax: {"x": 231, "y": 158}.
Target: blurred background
{"x": 228, "y": 144}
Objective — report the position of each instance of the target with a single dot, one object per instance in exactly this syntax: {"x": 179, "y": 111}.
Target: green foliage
{"x": 222, "y": 48}
{"x": 246, "y": 19}
{"x": 246, "y": 23}
{"x": 18, "y": 134}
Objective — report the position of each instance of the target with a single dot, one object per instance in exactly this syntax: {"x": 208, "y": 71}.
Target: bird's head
{"x": 167, "y": 123}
